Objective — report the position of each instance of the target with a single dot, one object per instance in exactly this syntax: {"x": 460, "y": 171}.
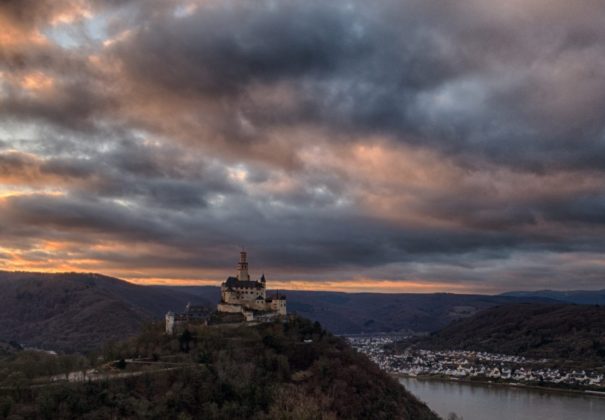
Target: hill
{"x": 77, "y": 311}
{"x": 554, "y": 331}
{"x": 584, "y": 297}
{"x": 293, "y": 370}
{"x": 352, "y": 313}
{"x": 355, "y": 313}
{"x": 80, "y": 311}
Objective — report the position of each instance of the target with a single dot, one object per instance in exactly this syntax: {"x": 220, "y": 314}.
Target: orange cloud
{"x": 72, "y": 13}
{"x": 37, "y": 81}
{"x": 12, "y": 35}
{"x": 351, "y": 286}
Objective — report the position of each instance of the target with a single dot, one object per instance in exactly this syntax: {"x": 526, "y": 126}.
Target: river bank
{"x": 486, "y": 382}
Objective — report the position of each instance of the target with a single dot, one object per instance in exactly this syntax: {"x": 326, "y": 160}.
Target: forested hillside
{"x": 294, "y": 370}
{"x": 554, "y": 331}
{"x": 584, "y": 297}
{"x": 77, "y": 311}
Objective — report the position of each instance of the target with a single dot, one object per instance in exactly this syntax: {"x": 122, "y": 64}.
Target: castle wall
{"x": 258, "y": 305}
{"x": 229, "y": 297}
{"x": 230, "y": 308}
{"x": 169, "y": 323}
{"x": 267, "y": 317}
{"x": 176, "y": 322}
{"x": 279, "y": 306}
{"x": 247, "y": 295}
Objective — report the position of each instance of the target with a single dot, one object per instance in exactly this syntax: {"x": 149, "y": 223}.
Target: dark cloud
{"x": 221, "y": 51}
{"x": 421, "y": 140}
{"x": 461, "y": 84}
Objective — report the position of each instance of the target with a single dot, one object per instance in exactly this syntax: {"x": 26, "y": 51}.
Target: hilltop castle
{"x": 249, "y": 297}
{"x": 240, "y": 297}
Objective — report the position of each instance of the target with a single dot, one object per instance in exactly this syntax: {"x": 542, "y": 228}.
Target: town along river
{"x": 493, "y": 402}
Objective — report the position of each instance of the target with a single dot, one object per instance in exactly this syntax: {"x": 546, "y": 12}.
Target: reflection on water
{"x": 485, "y": 402}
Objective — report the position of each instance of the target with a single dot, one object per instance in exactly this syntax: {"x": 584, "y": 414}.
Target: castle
{"x": 194, "y": 314}
{"x": 240, "y": 296}
{"x": 249, "y": 297}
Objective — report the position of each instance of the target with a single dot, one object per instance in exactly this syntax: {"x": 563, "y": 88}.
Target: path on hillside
{"x": 93, "y": 375}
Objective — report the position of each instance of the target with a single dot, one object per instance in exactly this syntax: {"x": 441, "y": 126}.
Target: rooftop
{"x": 235, "y": 283}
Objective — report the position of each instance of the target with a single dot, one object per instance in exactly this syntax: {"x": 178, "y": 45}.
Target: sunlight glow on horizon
{"x": 347, "y": 286}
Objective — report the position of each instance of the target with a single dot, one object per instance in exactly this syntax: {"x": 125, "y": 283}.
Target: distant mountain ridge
{"x": 584, "y": 297}
{"x": 355, "y": 313}
{"x": 81, "y": 311}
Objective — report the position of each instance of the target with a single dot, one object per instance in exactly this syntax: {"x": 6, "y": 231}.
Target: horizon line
{"x": 373, "y": 286}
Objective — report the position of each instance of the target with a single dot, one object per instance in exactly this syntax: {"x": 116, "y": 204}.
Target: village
{"x": 470, "y": 365}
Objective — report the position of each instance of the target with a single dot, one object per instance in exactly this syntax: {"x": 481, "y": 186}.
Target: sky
{"x": 384, "y": 146}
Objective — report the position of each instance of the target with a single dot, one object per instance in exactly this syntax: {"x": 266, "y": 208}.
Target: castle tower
{"x": 242, "y": 267}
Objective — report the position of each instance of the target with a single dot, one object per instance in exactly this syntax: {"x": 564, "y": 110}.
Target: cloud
{"x": 416, "y": 141}
{"x": 452, "y": 82}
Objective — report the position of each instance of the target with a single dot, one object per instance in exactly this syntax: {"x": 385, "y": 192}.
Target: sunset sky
{"x": 420, "y": 145}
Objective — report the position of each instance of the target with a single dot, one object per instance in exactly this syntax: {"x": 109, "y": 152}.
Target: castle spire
{"x": 242, "y": 267}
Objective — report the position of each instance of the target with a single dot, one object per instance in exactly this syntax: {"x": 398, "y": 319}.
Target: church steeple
{"x": 242, "y": 267}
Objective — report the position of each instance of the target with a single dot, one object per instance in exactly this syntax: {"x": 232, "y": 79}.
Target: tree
{"x": 6, "y": 404}
{"x": 121, "y": 364}
{"x": 185, "y": 340}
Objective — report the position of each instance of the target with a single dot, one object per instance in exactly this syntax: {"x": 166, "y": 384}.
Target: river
{"x": 485, "y": 402}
